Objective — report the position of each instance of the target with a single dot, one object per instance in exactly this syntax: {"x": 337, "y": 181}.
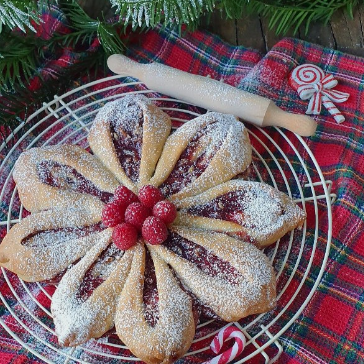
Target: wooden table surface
{"x": 341, "y": 33}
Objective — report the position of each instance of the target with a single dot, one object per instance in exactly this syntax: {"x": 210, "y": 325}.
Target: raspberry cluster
{"x": 147, "y": 213}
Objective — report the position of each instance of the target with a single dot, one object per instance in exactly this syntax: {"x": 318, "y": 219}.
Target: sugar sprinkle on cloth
{"x": 330, "y": 329}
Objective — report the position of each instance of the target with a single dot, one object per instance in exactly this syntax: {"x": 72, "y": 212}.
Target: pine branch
{"x": 89, "y": 27}
{"x": 18, "y": 61}
{"x": 169, "y": 12}
{"x": 285, "y": 15}
{"x": 21, "y": 56}
{"x": 19, "y": 14}
{"x": 18, "y": 103}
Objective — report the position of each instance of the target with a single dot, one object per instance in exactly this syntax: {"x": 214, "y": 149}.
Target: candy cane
{"x": 332, "y": 109}
{"x": 311, "y": 83}
{"x": 227, "y": 356}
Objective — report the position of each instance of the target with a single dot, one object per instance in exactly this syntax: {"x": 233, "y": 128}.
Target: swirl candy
{"x": 229, "y": 332}
{"x": 312, "y": 84}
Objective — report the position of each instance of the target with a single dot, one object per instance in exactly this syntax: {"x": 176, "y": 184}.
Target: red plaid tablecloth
{"x": 331, "y": 327}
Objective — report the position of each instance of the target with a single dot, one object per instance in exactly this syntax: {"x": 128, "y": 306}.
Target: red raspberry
{"x": 113, "y": 213}
{"x": 136, "y": 213}
{"x": 165, "y": 210}
{"x": 124, "y": 236}
{"x": 154, "y": 230}
{"x": 150, "y": 195}
{"x": 124, "y": 195}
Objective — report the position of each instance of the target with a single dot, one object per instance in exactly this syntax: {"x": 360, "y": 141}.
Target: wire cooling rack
{"x": 281, "y": 159}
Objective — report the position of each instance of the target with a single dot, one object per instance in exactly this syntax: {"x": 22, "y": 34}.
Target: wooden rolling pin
{"x": 212, "y": 95}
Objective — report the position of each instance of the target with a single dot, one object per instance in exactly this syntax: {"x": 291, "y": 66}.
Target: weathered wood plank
{"x": 218, "y": 24}
{"x": 270, "y": 36}
{"x": 250, "y": 33}
{"x": 341, "y": 32}
{"x": 355, "y": 27}
{"x": 95, "y": 8}
{"x": 348, "y": 32}
{"x": 318, "y": 33}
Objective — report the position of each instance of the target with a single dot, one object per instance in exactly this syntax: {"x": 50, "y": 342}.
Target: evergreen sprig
{"x": 284, "y": 15}
{"x": 18, "y": 61}
{"x": 18, "y": 14}
{"x": 169, "y": 12}
{"x": 21, "y": 54}
{"x": 87, "y": 28}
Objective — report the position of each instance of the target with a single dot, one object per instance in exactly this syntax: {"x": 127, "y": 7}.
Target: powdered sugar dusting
{"x": 104, "y": 285}
{"x": 77, "y": 319}
{"x": 132, "y": 132}
{"x": 44, "y": 244}
{"x": 57, "y": 174}
{"x": 262, "y": 211}
{"x": 123, "y": 110}
{"x": 174, "y": 329}
{"x": 216, "y": 148}
{"x": 253, "y": 288}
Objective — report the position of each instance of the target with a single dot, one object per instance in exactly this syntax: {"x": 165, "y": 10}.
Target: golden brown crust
{"x": 45, "y": 243}
{"x": 266, "y": 214}
{"x": 253, "y": 291}
{"x": 49, "y": 253}
{"x": 172, "y": 334}
{"x": 36, "y": 195}
{"x": 156, "y": 127}
{"x": 76, "y": 320}
{"x": 232, "y": 153}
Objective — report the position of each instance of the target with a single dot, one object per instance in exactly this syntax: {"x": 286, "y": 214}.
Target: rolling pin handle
{"x": 297, "y": 123}
{"x": 122, "y": 65}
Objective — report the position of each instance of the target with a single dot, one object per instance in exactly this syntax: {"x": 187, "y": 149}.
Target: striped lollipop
{"x": 312, "y": 84}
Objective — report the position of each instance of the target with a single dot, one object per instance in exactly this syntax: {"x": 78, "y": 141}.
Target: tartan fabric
{"x": 200, "y": 53}
{"x": 55, "y": 65}
{"x": 331, "y": 328}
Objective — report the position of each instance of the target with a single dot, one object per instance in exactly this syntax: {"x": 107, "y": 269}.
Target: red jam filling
{"x": 88, "y": 286}
{"x": 194, "y": 159}
{"x": 57, "y": 278}
{"x": 201, "y": 310}
{"x": 98, "y": 272}
{"x": 62, "y": 176}
{"x": 229, "y": 207}
{"x": 150, "y": 292}
{"x": 53, "y": 237}
{"x": 127, "y": 136}
{"x": 204, "y": 259}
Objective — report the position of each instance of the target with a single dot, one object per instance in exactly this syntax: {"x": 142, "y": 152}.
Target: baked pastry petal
{"x": 204, "y": 152}
{"x": 171, "y": 333}
{"x": 251, "y": 211}
{"x": 233, "y": 278}
{"x": 128, "y": 137}
{"x": 44, "y": 244}
{"x": 53, "y": 176}
{"x": 84, "y": 304}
